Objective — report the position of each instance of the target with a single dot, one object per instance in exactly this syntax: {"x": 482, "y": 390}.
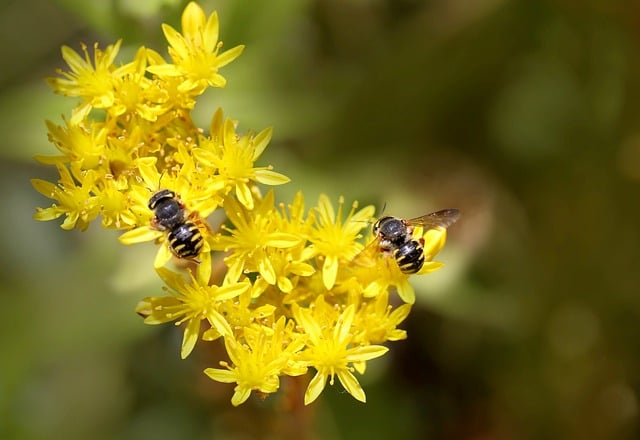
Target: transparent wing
{"x": 367, "y": 257}
{"x": 442, "y": 219}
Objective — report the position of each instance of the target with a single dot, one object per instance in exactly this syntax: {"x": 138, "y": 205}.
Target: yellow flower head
{"x": 190, "y": 301}
{"x": 257, "y": 363}
{"x": 254, "y": 240}
{"x": 194, "y": 52}
{"x": 331, "y": 348}
{"x": 76, "y": 202}
{"x": 234, "y": 156}
{"x": 295, "y": 289}
{"x": 336, "y": 240}
{"x": 92, "y": 80}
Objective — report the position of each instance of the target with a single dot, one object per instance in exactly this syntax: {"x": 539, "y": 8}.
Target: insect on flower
{"x": 185, "y": 238}
{"x": 394, "y": 237}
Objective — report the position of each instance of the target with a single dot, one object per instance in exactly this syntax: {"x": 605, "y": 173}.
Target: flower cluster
{"x": 300, "y": 289}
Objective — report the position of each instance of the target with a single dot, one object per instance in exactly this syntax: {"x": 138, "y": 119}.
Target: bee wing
{"x": 367, "y": 256}
{"x": 438, "y": 219}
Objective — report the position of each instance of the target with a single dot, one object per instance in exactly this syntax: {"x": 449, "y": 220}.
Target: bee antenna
{"x": 160, "y": 178}
{"x": 384, "y": 206}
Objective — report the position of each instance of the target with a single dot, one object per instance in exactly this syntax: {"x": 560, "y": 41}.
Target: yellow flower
{"x": 233, "y": 157}
{"x": 253, "y": 240}
{"x": 267, "y": 353}
{"x": 377, "y": 323}
{"x": 135, "y": 94}
{"x": 242, "y": 313}
{"x": 191, "y": 301}
{"x": 331, "y": 347}
{"x": 166, "y": 90}
{"x": 76, "y": 202}
{"x": 92, "y": 81}
{"x": 335, "y": 240}
{"x": 78, "y": 143}
{"x": 195, "y": 52}
{"x": 115, "y": 206}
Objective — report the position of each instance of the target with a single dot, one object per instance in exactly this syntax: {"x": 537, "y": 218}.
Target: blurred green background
{"x": 523, "y": 114}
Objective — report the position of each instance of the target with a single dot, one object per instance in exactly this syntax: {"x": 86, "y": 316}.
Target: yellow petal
{"x": 45, "y": 188}
{"x": 430, "y": 266}
{"x": 260, "y": 142}
{"x": 229, "y": 55}
{"x": 191, "y": 333}
{"x": 231, "y": 291}
{"x": 400, "y": 314}
{"x": 46, "y": 214}
{"x": 343, "y": 326}
{"x": 158, "y": 309}
{"x": 219, "y": 323}
{"x": 302, "y": 269}
{"x": 139, "y": 235}
{"x": 234, "y": 271}
{"x": 316, "y": 386}
{"x": 211, "y": 33}
{"x": 364, "y": 216}
{"x": 205, "y": 157}
{"x": 329, "y": 271}
{"x": 73, "y": 59}
{"x": 266, "y": 270}
{"x": 162, "y": 257}
{"x": 360, "y": 367}
{"x": 193, "y": 19}
{"x": 285, "y": 284}
{"x": 282, "y": 240}
{"x": 304, "y": 318}
{"x": 325, "y": 208}
{"x": 373, "y": 289}
{"x": 79, "y": 114}
{"x": 220, "y": 375}
{"x": 244, "y": 195}
{"x": 164, "y": 70}
{"x": 203, "y": 271}
{"x": 149, "y": 173}
{"x": 268, "y": 177}
{"x": 406, "y": 292}
{"x": 210, "y": 334}
{"x": 172, "y": 279}
{"x": 217, "y": 125}
{"x": 154, "y": 309}
{"x": 365, "y": 353}
{"x": 174, "y": 38}
{"x": 70, "y": 222}
{"x": 240, "y": 395}
{"x": 351, "y": 384}
{"x": 434, "y": 241}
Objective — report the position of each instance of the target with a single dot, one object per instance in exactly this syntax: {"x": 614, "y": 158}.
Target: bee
{"x": 395, "y": 237}
{"x": 184, "y": 237}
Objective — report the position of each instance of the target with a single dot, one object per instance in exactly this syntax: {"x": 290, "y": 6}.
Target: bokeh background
{"x": 523, "y": 114}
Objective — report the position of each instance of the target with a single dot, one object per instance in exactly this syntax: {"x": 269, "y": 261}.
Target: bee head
{"x": 160, "y": 196}
{"x": 391, "y": 229}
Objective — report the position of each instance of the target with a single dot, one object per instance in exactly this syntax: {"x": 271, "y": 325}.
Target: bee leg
{"x": 155, "y": 224}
